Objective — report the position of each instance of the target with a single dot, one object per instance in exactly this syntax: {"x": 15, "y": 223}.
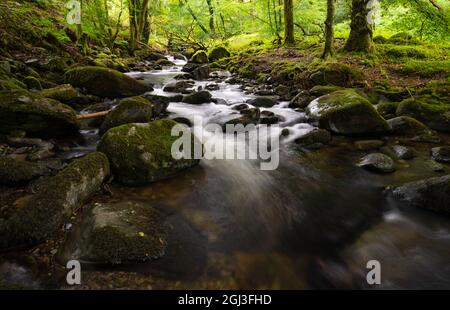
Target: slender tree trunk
{"x": 212, "y": 28}
{"x": 289, "y": 22}
{"x": 361, "y": 32}
{"x": 329, "y": 29}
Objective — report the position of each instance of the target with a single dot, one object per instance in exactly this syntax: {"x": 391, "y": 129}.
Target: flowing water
{"x": 314, "y": 222}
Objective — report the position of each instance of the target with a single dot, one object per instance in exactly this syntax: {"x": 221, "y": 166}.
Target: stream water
{"x": 314, "y": 222}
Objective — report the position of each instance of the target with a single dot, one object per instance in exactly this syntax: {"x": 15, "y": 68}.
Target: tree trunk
{"x": 361, "y": 31}
{"x": 289, "y": 22}
{"x": 212, "y": 28}
{"x": 329, "y": 29}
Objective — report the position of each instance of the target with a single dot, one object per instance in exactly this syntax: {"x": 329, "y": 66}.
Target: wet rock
{"x": 284, "y": 92}
{"x": 432, "y": 194}
{"x": 347, "y": 112}
{"x": 141, "y": 153}
{"x": 64, "y": 93}
{"x": 123, "y": 232}
{"x": 315, "y": 137}
{"x": 37, "y": 217}
{"x": 240, "y": 107}
{"x": 178, "y": 86}
{"x": 40, "y": 149}
{"x": 103, "y": 82}
{"x": 434, "y": 166}
{"x": 301, "y": 100}
{"x": 433, "y": 114}
{"x": 218, "y": 53}
{"x": 199, "y": 57}
{"x": 377, "y": 162}
{"x": 201, "y": 73}
{"x": 36, "y": 115}
{"x": 262, "y": 102}
{"x": 427, "y": 137}
{"x": 322, "y": 90}
{"x": 164, "y": 62}
{"x": 400, "y": 152}
{"x": 183, "y": 120}
{"x": 268, "y": 118}
{"x": 129, "y": 110}
{"x": 407, "y": 126}
{"x": 15, "y": 172}
{"x": 441, "y": 154}
{"x": 154, "y": 56}
{"x": 161, "y": 103}
{"x": 198, "y": 97}
{"x": 366, "y": 145}
{"x": 219, "y": 101}
{"x": 32, "y": 83}
{"x": 212, "y": 86}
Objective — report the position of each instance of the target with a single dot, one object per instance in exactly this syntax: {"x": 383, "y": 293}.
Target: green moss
{"x": 41, "y": 215}
{"x": 403, "y": 38}
{"x": 63, "y": 93}
{"x": 218, "y": 53}
{"x": 426, "y": 68}
{"x": 129, "y": 110}
{"x": 387, "y": 108}
{"x": 36, "y": 115}
{"x": 199, "y": 57}
{"x": 32, "y": 83}
{"x": 105, "y": 82}
{"x": 18, "y": 172}
{"x": 337, "y": 74}
{"x": 141, "y": 153}
{"x": 406, "y": 52}
{"x": 164, "y": 62}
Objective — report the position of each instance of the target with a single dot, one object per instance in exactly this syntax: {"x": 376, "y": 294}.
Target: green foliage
{"x": 426, "y": 68}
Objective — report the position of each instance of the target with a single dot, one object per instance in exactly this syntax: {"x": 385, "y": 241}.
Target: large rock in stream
{"x": 36, "y": 115}
{"x": 432, "y": 194}
{"x": 141, "y": 153}
{"x": 129, "y": 110}
{"x": 433, "y": 114}
{"x": 348, "y": 113}
{"x": 104, "y": 82}
{"x": 122, "y": 232}
{"x": 36, "y": 217}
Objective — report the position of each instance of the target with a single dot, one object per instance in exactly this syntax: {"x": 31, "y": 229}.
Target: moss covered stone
{"x": 347, "y": 112}
{"x": 407, "y": 126}
{"x": 40, "y": 215}
{"x": 32, "y": 83}
{"x": 141, "y": 153}
{"x": 218, "y": 53}
{"x": 64, "y": 93}
{"x": 123, "y": 232}
{"x": 129, "y": 110}
{"x": 36, "y": 115}
{"x": 432, "y": 113}
{"x": 337, "y": 74}
{"x": 199, "y": 57}
{"x": 321, "y": 90}
{"x": 19, "y": 172}
{"x": 105, "y": 82}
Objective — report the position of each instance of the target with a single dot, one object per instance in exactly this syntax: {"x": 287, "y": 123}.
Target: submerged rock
{"x": 441, "y": 154}
{"x": 19, "y": 172}
{"x": 38, "y": 216}
{"x": 123, "y": 232}
{"x": 366, "y": 145}
{"x": 63, "y": 93}
{"x": 315, "y": 137}
{"x": 36, "y": 115}
{"x": 129, "y": 110}
{"x": 347, "y": 112}
{"x": 141, "y": 153}
{"x": 432, "y": 194}
{"x": 198, "y": 97}
{"x": 400, "y": 152}
{"x": 434, "y": 115}
{"x": 377, "y": 162}
{"x": 104, "y": 82}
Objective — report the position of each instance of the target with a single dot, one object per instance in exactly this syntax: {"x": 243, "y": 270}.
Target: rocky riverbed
{"x": 363, "y": 174}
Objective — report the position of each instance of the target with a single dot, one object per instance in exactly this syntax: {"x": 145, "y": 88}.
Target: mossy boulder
{"x": 218, "y": 53}
{"x": 406, "y": 126}
{"x": 432, "y": 113}
{"x": 36, "y": 115}
{"x": 337, "y": 74}
{"x": 123, "y": 232}
{"x": 18, "y": 172}
{"x": 199, "y": 57}
{"x": 32, "y": 83}
{"x": 432, "y": 194}
{"x": 129, "y": 110}
{"x": 347, "y": 112}
{"x": 321, "y": 90}
{"x": 104, "y": 82}
{"x": 387, "y": 109}
{"x": 36, "y": 217}
{"x": 64, "y": 93}
{"x": 141, "y": 153}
